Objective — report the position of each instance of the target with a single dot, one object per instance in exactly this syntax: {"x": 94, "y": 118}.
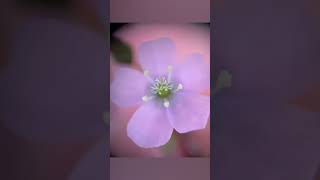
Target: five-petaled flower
{"x": 169, "y": 94}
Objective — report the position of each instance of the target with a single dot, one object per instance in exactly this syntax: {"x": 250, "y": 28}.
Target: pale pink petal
{"x": 156, "y": 55}
{"x": 189, "y": 112}
{"x": 193, "y": 74}
{"x": 149, "y": 126}
{"x": 128, "y": 87}
{"x": 120, "y": 144}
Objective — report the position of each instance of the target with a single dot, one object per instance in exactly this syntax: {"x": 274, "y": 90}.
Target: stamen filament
{"x": 161, "y": 87}
{"x": 146, "y": 73}
{"x": 147, "y": 98}
{"x": 170, "y": 68}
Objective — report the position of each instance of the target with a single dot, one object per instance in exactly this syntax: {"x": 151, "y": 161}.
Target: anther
{"x": 179, "y": 87}
{"x": 166, "y": 103}
{"x": 146, "y": 73}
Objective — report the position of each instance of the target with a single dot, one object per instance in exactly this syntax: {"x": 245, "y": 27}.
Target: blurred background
{"x": 125, "y": 39}
{"x": 54, "y": 99}
{"x": 53, "y": 89}
{"x": 151, "y": 11}
{"x": 267, "y": 124}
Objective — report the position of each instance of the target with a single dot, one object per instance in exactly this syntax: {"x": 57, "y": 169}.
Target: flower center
{"x": 162, "y": 88}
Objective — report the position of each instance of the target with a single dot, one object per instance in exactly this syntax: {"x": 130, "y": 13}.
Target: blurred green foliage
{"x": 121, "y": 51}
{"x": 224, "y": 81}
{"x": 171, "y": 146}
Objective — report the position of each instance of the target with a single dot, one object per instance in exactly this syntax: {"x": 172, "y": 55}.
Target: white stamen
{"x": 179, "y": 87}
{"x": 161, "y": 84}
{"x": 170, "y": 68}
{"x": 146, "y": 73}
{"x": 147, "y": 98}
{"x": 166, "y": 103}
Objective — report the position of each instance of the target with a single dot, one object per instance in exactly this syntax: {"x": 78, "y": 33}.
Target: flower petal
{"x": 156, "y": 55}
{"x": 189, "y": 112}
{"x": 128, "y": 87}
{"x": 120, "y": 144}
{"x": 194, "y": 73}
{"x": 149, "y": 126}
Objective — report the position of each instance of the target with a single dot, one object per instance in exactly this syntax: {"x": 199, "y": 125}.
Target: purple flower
{"x": 168, "y": 94}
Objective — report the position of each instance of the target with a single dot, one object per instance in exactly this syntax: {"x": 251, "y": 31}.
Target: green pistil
{"x": 163, "y": 93}
{"x": 162, "y": 88}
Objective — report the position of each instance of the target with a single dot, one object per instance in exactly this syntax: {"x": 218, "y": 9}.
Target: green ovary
{"x": 162, "y": 88}
{"x": 163, "y": 92}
